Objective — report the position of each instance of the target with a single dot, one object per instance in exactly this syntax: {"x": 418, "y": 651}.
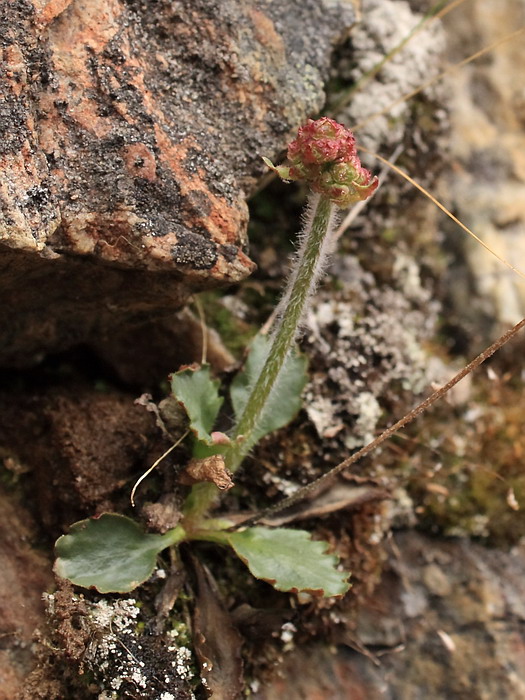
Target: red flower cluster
{"x": 320, "y": 142}
{"x": 324, "y": 154}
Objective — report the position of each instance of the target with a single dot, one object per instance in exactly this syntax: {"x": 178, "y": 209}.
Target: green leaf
{"x": 199, "y": 395}
{"x": 290, "y": 561}
{"x": 110, "y": 553}
{"x": 284, "y": 401}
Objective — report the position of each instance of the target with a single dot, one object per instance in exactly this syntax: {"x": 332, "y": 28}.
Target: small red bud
{"x": 324, "y": 154}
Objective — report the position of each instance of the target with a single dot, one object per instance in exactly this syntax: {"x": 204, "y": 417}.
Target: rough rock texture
{"x": 446, "y": 623}
{"x": 85, "y": 446}
{"x": 132, "y": 132}
{"x": 385, "y": 24}
{"x": 487, "y": 182}
{"x": 447, "y": 619}
{"x": 361, "y": 351}
{"x": 448, "y": 614}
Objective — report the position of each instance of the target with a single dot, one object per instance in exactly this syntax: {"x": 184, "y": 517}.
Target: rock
{"x": 132, "y": 133}
{"x": 364, "y": 340}
{"x": 464, "y": 640}
{"x": 384, "y": 25}
{"x": 83, "y": 447}
{"x": 487, "y": 180}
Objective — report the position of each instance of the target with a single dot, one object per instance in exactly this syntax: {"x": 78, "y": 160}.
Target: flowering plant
{"x": 111, "y": 552}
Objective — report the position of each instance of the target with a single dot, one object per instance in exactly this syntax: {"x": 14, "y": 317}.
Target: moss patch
{"x": 471, "y": 481}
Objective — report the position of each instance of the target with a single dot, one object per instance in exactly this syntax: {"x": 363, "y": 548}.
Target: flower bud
{"x": 321, "y": 141}
{"x": 324, "y": 154}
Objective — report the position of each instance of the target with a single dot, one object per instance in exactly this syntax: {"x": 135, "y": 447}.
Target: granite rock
{"x": 132, "y": 134}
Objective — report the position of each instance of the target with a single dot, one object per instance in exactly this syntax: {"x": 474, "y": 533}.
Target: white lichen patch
{"x": 288, "y": 631}
{"x": 385, "y": 24}
{"x": 285, "y": 486}
{"x": 406, "y": 273}
{"x": 119, "y": 615}
{"x": 182, "y": 662}
{"x": 366, "y": 345}
{"x": 255, "y": 685}
{"x": 368, "y": 413}
{"x": 127, "y": 663}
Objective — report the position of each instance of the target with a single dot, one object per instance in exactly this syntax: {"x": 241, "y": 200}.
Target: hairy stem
{"x": 302, "y": 283}
{"x": 202, "y": 497}
{"x": 315, "y": 244}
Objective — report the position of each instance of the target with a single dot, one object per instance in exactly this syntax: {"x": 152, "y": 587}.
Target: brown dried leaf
{"x": 208, "y": 469}
{"x": 330, "y": 499}
{"x": 339, "y": 497}
{"x": 217, "y": 641}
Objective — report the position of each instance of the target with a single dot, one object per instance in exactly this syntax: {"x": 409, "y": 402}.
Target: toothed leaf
{"x": 290, "y": 561}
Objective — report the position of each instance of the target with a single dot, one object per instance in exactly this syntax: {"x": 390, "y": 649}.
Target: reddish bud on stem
{"x": 324, "y": 154}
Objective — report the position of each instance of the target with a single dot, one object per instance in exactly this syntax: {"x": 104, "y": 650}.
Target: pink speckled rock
{"x": 132, "y": 133}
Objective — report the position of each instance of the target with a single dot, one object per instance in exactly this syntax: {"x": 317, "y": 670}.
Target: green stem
{"x": 302, "y": 285}
{"x": 213, "y": 531}
{"x": 201, "y": 499}
{"x": 175, "y": 536}
{"x": 303, "y": 279}
{"x": 211, "y": 536}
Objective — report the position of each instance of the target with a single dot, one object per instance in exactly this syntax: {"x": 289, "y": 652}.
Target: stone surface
{"x": 364, "y": 341}
{"x": 487, "y": 180}
{"x": 447, "y": 618}
{"x": 132, "y": 133}
{"x": 377, "y": 112}
{"x": 75, "y": 474}
{"x": 445, "y": 623}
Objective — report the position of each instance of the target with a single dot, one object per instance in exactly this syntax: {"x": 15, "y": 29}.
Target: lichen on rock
{"x": 366, "y": 342}
{"x": 385, "y": 24}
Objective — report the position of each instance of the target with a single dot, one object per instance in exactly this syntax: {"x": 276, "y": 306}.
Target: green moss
{"x": 390, "y": 235}
{"x": 179, "y": 630}
{"x": 472, "y": 483}
{"x": 234, "y": 332}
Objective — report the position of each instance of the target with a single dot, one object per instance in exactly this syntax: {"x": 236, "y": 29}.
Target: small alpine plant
{"x": 111, "y": 552}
